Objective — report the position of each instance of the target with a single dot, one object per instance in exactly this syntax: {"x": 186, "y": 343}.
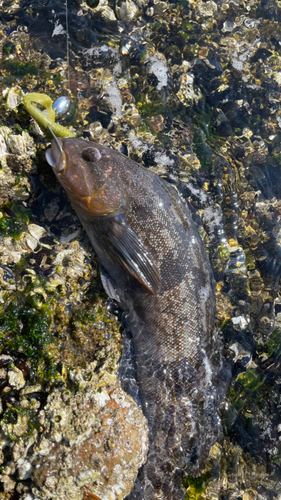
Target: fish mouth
{"x": 55, "y": 155}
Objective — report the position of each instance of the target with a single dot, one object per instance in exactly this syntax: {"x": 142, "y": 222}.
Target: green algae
{"x": 93, "y": 326}
{"x": 186, "y": 25}
{"x": 224, "y": 252}
{"x": 25, "y": 327}
{"x": 277, "y": 158}
{"x": 58, "y": 78}
{"x": 149, "y": 109}
{"x": 19, "y": 69}
{"x": 143, "y": 55}
{"x": 11, "y": 417}
{"x": 150, "y": 104}
{"x": 93, "y": 314}
{"x": 184, "y": 3}
{"x": 273, "y": 346}
{"x": 195, "y": 486}
{"x": 248, "y": 391}
{"x": 202, "y": 151}
{"x": 14, "y": 220}
{"x": 8, "y": 47}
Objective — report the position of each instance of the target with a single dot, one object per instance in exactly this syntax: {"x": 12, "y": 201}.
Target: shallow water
{"x": 192, "y": 90}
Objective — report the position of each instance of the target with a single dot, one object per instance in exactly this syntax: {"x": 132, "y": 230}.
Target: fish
{"x": 154, "y": 264}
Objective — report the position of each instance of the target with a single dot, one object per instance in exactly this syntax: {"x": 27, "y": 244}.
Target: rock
{"x": 99, "y": 439}
{"x": 16, "y": 378}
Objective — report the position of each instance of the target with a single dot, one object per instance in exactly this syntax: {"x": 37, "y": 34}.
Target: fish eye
{"x": 87, "y": 156}
{"x": 91, "y": 154}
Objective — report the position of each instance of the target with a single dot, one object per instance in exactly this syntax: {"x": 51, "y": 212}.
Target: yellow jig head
{"x": 45, "y": 121}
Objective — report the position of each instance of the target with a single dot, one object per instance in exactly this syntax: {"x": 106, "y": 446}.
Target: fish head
{"x": 96, "y": 180}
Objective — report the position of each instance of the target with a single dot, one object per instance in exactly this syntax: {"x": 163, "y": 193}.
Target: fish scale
{"x": 154, "y": 264}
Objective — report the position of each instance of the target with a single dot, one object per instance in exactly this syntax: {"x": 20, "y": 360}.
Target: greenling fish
{"x": 153, "y": 263}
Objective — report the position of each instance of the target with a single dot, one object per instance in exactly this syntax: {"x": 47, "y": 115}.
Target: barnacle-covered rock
{"x": 187, "y": 93}
{"x": 9, "y": 6}
{"x": 158, "y": 66}
{"x": 15, "y": 378}
{"x": 113, "y": 97}
{"x": 95, "y": 410}
{"x": 102, "y": 8}
{"x": 127, "y": 10}
{"x": 16, "y": 152}
{"x": 98, "y": 435}
{"x": 142, "y": 3}
{"x": 13, "y": 97}
{"x": 159, "y": 7}
{"x": 206, "y": 9}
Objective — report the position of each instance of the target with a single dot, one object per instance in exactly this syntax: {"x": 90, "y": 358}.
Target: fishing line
{"x": 67, "y": 45}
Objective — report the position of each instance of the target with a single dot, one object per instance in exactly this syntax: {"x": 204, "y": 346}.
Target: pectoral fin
{"x": 108, "y": 285}
{"x": 123, "y": 246}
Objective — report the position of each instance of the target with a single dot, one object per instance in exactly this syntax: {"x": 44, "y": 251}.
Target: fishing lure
{"x": 45, "y": 120}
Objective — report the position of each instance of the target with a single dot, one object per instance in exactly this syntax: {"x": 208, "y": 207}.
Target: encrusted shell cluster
{"x": 94, "y": 438}
{"x": 16, "y": 157}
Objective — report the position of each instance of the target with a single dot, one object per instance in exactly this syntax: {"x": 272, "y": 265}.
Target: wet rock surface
{"x": 193, "y": 91}
{"x": 96, "y": 437}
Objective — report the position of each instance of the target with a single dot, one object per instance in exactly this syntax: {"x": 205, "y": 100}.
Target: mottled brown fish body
{"x": 154, "y": 263}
